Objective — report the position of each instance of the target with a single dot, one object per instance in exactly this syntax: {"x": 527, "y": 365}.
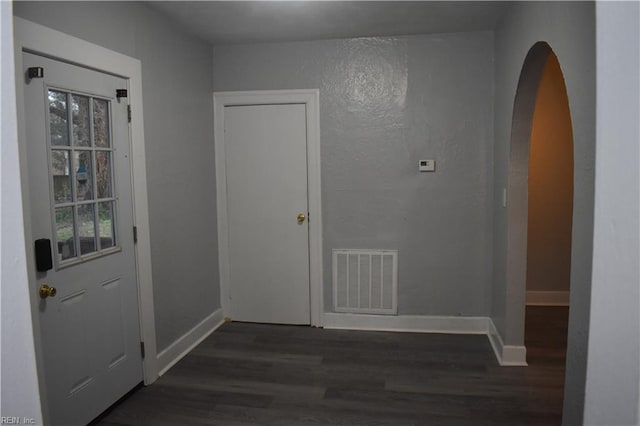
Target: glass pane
{"x": 84, "y": 176}
{"x": 64, "y": 233}
{"x": 61, "y": 176}
{"x": 58, "y": 118}
{"x": 103, "y": 173}
{"x": 101, "y": 123}
{"x": 107, "y": 230}
{"x": 86, "y": 228}
{"x": 80, "y": 114}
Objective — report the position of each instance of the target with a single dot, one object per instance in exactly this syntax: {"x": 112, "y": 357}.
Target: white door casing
{"x": 304, "y": 103}
{"x": 36, "y": 38}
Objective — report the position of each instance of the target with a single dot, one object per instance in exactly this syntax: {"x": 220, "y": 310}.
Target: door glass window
{"x": 65, "y": 240}
{"x": 61, "y": 171}
{"x": 107, "y": 230}
{"x": 81, "y": 171}
{"x": 80, "y": 114}
{"x": 58, "y": 117}
{"x": 101, "y": 123}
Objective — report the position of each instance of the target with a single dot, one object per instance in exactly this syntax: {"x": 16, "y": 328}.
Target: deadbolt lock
{"x": 301, "y": 217}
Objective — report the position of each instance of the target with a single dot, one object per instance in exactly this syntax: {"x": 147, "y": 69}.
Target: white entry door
{"x": 267, "y": 208}
{"x": 80, "y": 200}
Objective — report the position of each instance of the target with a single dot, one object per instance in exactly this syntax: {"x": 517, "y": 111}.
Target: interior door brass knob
{"x": 47, "y": 291}
{"x": 301, "y": 217}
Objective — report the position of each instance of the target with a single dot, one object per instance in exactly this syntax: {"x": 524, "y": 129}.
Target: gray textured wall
{"x": 178, "y": 109}
{"x": 569, "y": 28}
{"x": 19, "y": 390}
{"x": 613, "y": 370}
{"x": 385, "y": 103}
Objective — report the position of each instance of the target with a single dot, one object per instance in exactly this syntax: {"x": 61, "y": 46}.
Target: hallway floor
{"x": 257, "y": 374}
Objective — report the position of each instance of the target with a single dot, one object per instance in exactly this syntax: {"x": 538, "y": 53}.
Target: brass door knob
{"x": 47, "y": 291}
{"x": 301, "y": 217}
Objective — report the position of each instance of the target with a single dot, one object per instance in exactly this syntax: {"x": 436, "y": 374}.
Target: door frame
{"x": 310, "y": 98}
{"x": 35, "y": 38}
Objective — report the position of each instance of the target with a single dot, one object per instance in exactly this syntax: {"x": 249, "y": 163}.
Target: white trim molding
{"x": 169, "y": 356}
{"x": 547, "y": 298}
{"x": 39, "y": 39}
{"x": 406, "y": 323}
{"x": 309, "y": 97}
{"x": 507, "y": 355}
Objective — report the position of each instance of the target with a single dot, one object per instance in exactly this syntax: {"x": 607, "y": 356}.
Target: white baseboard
{"x": 168, "y": 357}
{"x": 547, "y": 298}
{"x": 407, "y": 323}
{"x": 507, "y": 355}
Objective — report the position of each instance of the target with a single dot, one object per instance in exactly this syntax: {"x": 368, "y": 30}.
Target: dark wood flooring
{"x": 256, "y": 374}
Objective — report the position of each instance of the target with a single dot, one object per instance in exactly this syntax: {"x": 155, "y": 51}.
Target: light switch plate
{"x": 427, "y": 165}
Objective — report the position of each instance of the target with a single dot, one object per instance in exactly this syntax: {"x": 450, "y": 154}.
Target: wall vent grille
{"x": 365, "y": 281}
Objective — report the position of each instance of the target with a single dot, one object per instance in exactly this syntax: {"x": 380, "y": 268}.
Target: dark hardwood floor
{"x": 255, "y": 374}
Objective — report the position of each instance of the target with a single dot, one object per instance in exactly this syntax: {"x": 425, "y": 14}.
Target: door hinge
{"x": 142, "y": 349}
{"x": 121, "y": 93}
{"x": 135, "y": 234}
{"x": 129, "y": 113}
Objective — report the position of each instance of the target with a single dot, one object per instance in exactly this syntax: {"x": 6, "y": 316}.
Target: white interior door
{"x": 266, "y": 167}
{"x": 80, "y": 199}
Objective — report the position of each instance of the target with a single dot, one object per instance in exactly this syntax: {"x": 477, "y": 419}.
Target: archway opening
{"x": 549, "y": 227}
{"x": 540, "y": 214}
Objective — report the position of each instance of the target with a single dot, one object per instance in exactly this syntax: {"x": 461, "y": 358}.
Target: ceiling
{"x": 236, "y": 22}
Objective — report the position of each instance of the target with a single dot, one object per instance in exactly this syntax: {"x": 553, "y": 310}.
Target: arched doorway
{"x": 540, "y": 213}
{"x": 549, "y": 226}
{"x": 550, "y": 192}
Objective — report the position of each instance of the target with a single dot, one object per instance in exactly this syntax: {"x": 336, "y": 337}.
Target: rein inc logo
{"x": 15, "y": 420}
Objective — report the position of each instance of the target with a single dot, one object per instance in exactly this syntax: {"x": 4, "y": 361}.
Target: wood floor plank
{"x": 259, "y": 374}
{"x": 306, "y": 392}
